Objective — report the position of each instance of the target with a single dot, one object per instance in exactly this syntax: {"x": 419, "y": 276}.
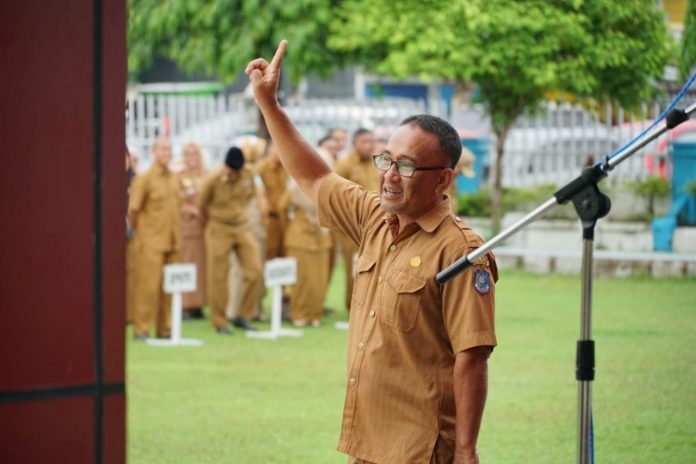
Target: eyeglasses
{"x": 404, "y": 168}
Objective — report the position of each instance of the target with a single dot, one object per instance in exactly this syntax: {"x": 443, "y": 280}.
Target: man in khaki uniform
{"x": 153, "y": 210}
{"x": 356, "y": 167}
{"x": 275, "y": 180}
{"x": 225, "y": 200}
{"x": 310, "y": 244}
{"x": 417, "y": 351}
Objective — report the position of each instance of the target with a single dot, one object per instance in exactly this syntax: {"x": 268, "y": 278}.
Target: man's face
{"x": 364, "y": 144}
{"x": 341, "y": 138}
{"x": 162, "y": 152}
{"x": 410, "y": 197}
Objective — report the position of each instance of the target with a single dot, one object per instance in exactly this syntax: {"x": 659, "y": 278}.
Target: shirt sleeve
{"x": 206, "y": 192}
{"x": 136, "y": 197}
{"x": 343, "y": 206}
{"x": 468, "y": 306}
{"x": 342, "y": 168}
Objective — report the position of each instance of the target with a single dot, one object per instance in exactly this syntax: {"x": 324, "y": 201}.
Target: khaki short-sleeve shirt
{"x": 360, "y": 171}
{"x": 225, "y": 197}
{"x": 154, "y": 196}
{"x": 405, "y": 328}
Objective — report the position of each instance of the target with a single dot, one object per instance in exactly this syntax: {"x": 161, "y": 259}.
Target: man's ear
{"x": 446, "y": 179}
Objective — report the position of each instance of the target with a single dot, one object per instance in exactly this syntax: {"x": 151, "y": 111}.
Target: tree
{"x": 687, "y": 63}
{"x": 515, "y": 51}
{"x": 220, "y": 37}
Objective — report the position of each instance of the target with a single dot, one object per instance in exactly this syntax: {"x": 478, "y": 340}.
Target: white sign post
{"x": 278, "y": 272}
{"x": 178, "y": 278}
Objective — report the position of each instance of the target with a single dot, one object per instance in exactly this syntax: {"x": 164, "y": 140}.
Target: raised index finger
{"x": 278, "y": 57}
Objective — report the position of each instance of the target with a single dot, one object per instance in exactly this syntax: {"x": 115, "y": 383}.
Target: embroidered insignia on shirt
{"x": 482, "y": 281}
{"x": 482, "y": 261}
{"x": 415, "y": 261}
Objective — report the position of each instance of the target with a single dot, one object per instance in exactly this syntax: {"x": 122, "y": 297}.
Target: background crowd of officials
{"x": 228, "y": 221}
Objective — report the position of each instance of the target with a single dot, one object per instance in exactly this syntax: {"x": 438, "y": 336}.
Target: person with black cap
{"x": 224, "y": 204}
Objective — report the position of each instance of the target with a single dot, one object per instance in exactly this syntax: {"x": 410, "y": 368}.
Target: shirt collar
{"x": 358, "y": 159}
{"x": 159, "y": 169}
{"x": 431, "y": 219}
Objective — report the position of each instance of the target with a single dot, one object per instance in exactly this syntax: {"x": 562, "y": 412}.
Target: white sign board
{"x": 179, "y": 278}
{"x": 280, "y": 271}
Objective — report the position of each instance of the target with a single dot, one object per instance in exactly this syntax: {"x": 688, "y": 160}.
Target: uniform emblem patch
{"x": 482, "y": 281}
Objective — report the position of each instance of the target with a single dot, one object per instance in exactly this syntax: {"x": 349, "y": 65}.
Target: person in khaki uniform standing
{"x": 192, "y": 244}
{"x": 252, "y": 148}
{"x": 225, "y": 200}
{"x": 310, "y": 244}
{"x": 356, "y": 167}
{"x": 275, "y": 180}
{"x": 418, "y": 351}
{"x": 153, "y": 210}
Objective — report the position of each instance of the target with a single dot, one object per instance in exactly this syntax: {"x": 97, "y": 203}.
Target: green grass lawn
{"x": 240, "y": 400}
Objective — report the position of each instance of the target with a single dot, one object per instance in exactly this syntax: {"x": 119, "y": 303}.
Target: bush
{"x": 651, "y": 188}
{"x": 478, "y": 204}
{"x": 525, "y": 199}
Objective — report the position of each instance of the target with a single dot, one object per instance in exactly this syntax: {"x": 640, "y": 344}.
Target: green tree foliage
{"x": 515, "y": 51}
{"x": 687, "y": 63}
{"x": 651, "y": 188}
{"x": 220, "y": 37}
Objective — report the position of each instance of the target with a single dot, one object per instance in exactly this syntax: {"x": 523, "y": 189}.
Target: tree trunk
{"x": 497, "y": 193}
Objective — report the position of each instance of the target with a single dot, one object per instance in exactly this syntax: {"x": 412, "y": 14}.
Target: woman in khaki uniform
{"x": 192, "y": 244}
{"x": 310, "y": 244}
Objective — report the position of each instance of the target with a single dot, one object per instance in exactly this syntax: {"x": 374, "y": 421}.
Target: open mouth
{"x": 391, "y": 192}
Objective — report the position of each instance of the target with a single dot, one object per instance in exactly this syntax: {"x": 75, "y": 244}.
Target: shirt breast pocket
{"x": 364, "y": 267}
{"x": 401, "y": 300}
{"x": 157, "y": 198}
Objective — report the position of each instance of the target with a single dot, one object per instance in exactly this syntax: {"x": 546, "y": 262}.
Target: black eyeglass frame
{"x": 400, "y": 163}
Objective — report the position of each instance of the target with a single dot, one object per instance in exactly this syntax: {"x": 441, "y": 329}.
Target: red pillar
{"x": 62, "y": 191}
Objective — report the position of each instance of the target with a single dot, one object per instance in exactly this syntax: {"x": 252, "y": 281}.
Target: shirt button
{"x": 457, "y": 218}
{"x": 392, "y": 248}
{"x": 373, "y": 313}
{"x": 352, "y": 381}
{"x": 361, "y": 345}
{"x": 379, "y": 279}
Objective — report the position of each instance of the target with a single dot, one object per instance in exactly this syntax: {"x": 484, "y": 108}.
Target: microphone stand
{"x": 590, "y": 205}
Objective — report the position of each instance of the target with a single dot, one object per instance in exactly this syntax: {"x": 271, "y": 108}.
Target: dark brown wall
{"x": 62, "y": 85}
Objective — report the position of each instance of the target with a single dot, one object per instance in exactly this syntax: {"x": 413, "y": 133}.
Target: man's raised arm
{"x": 302, "y": 162}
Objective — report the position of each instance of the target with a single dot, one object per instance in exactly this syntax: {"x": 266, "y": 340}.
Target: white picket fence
{"x": 550, "y": 146}
{"x": 211, "y": 121}
{"x": 215, "y": 122}
{"x": 553, "y": 145}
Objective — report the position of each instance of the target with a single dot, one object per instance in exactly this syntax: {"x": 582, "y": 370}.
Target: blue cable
{"x": 671, "y": 106}
{"x": 591, "y": 438}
